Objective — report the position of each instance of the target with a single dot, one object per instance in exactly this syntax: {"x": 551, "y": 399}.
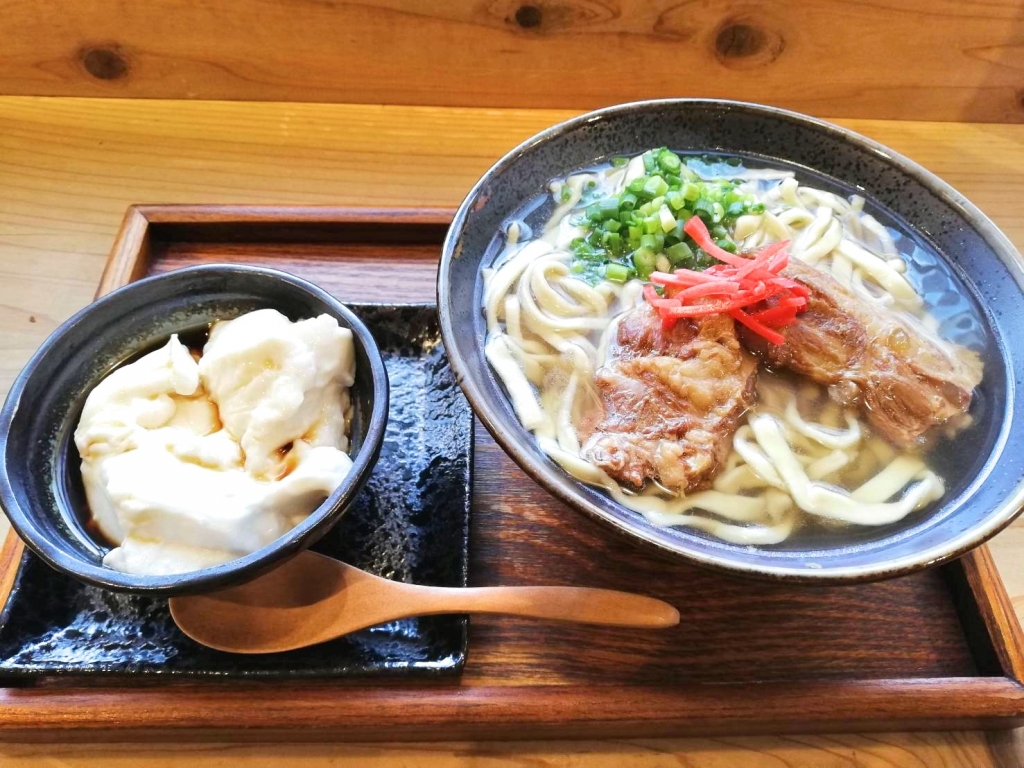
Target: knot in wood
{"x": 744, "y": 44}
{"x": 738, "y": 40}
{"x": 105, "y": 63}
{"x": 528, "y": 16}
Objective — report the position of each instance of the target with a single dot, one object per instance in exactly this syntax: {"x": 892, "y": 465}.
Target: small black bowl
{"x": 40, "y": 481}
{"x": 989, "y": 460}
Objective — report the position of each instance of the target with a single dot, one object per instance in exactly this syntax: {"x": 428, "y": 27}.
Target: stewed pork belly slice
{"x": 670, "y": 401}
{"x": 905, "y": 379}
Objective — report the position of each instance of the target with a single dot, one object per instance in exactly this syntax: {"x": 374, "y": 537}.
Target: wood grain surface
{"x": 904, "y": 59}
{"x": 895, "y": 750}
{"x": 562, "y": 681}
{"x": 69, "y": 167}
{"x": 732, "y": 630}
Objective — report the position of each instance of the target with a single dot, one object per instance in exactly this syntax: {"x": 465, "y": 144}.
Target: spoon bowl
{"x": 312, "y": 598}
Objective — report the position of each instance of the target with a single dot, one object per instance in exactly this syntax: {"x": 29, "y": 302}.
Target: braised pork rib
{"x": 904, "y": 378}
{"x": 671, "y": 400}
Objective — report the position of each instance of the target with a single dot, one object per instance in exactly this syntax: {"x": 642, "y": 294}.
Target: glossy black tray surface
{"x": 410, "y": 523}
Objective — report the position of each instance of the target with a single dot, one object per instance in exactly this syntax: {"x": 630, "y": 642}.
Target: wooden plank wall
{"x": 919, "y": 59}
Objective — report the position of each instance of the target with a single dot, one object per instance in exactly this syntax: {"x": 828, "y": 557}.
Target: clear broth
{"x": 947, "y": 297}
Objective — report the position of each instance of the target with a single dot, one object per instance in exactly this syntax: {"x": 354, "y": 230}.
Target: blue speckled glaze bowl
{"x": 40, "y": 482}
{"x": 984, "y": 466}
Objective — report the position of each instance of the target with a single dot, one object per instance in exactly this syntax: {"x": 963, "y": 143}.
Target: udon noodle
{"x": 797, "y": 454}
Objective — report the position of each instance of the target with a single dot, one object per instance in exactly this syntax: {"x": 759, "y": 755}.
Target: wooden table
{"x": 69, "y": 167}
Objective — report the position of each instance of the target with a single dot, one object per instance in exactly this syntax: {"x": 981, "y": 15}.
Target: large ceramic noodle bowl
{"x": 750, "y": 338}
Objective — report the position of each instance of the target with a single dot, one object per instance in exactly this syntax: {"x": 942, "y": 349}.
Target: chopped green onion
{"x": 644, "y": 261}
{"x": 609, "y": 207}
{"x": 669, "y": 161}
{"x": 642, "y": 226}
{"x": 704, "y": 208}
{"x": 668, "y": 221}
{"x": 679, "y": 253}
{"x": 618, "y": 273}
{"x": 655, "y": 186}
{"x": 688, "y": 174}
{"x": 690, "y": 191}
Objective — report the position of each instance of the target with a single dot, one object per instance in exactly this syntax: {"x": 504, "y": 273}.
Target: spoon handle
{"x": 576, "y": 604}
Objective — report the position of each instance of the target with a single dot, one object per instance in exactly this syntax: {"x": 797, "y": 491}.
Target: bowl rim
{"x": 318, "y": 522}
{"x": 554, "y": 480}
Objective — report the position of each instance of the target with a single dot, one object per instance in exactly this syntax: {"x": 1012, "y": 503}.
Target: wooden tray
{"x": 936, "y": 650}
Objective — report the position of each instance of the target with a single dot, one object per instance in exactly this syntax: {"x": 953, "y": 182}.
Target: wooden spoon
{"x": 312, "y": 598}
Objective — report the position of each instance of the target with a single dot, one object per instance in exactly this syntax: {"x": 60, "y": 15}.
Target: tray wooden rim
{"x": 446, "y": 710}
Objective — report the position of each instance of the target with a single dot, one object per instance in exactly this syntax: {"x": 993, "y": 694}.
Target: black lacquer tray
{"x": 410, "y": 523}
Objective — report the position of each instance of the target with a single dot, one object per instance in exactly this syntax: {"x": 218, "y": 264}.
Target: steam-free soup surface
{"x": 723, "y": 348}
